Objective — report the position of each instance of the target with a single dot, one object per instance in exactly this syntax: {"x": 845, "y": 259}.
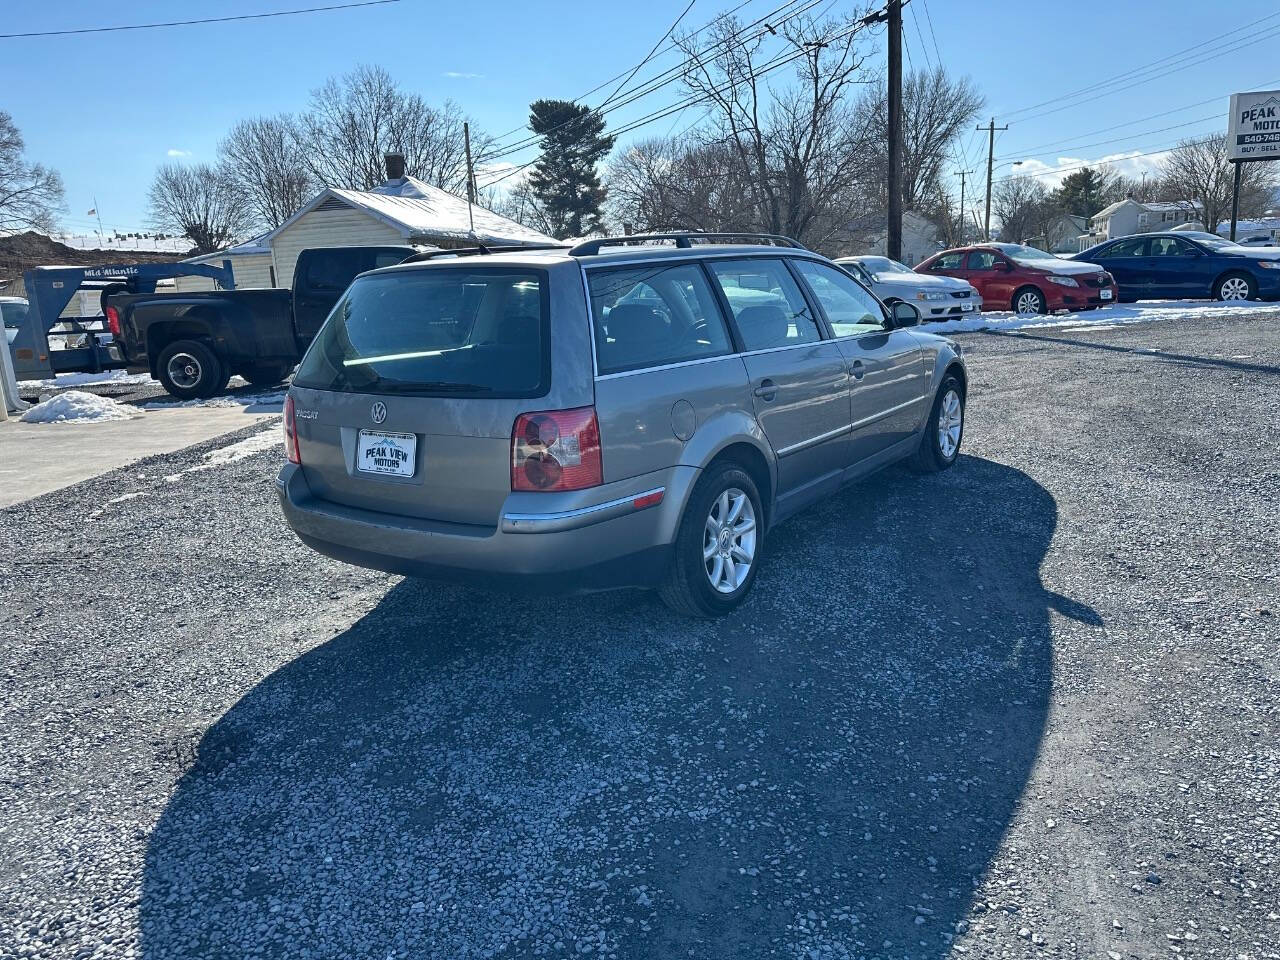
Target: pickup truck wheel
{"x": 189, "y": 370}
{"x": 266, "y": 375}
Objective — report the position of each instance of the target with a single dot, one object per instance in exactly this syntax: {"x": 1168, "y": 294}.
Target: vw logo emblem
{"x": 378, "y": 412}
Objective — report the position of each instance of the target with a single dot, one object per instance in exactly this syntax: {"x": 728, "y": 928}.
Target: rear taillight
{"x": 113, "y": 321}
{"x": 556, "y": 450}
{"x": 291, "y": 432}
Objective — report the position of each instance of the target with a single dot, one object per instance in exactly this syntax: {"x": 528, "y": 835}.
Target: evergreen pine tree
{"x": 564, "y": 180}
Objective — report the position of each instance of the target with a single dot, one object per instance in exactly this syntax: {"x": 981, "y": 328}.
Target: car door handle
{"x": 857, "y": 369}
{"x": 767, "y": 389}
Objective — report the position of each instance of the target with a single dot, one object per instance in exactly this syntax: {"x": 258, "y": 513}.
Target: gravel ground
{"x": 1027, "y": 708}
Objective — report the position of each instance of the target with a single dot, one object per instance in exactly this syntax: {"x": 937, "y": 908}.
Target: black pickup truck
{"x": 193, "y": 342}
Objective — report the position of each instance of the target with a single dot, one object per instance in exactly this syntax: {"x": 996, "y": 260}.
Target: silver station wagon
{"x": 636, "y": 411}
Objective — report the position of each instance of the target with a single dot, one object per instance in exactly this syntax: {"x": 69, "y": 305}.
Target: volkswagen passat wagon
{"x": 637, "y": 411}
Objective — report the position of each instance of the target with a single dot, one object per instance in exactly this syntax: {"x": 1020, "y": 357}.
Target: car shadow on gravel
{"x": 826, "y": 773}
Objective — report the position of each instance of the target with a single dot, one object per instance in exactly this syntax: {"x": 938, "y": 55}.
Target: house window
{"x": 1143, "y": 219}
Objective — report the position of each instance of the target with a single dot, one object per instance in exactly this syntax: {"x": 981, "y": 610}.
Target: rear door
{"x": 887, "y": 375}
{"x": 799, "y": 380}
{"x": 1127, "y": 261}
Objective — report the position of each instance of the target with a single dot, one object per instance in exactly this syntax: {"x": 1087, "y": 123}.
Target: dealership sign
{"x": 1253, "y": 131}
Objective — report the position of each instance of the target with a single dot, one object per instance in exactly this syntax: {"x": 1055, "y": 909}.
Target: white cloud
{"x": 174, "y": 152}
{"x": 1131, "y": 164}
{"x": 457, "y": 75}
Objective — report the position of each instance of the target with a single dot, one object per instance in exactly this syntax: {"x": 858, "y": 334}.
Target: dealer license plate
{"x": 1105, "y": 294}
{"x": 386, "y": 454}
{"x": 966, "y": 307}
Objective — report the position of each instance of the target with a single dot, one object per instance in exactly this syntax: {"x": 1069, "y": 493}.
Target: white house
{"x": 250, "y": 264}
{"x": 403, "y": 210}
{"x": 869, "y": 236}
{"x": 1127, "y": 217}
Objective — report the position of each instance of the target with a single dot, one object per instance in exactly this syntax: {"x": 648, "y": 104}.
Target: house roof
{"x": 254, "y": 245}
{"x": 1157, "y": 206}
{"x": 421, "y": 211}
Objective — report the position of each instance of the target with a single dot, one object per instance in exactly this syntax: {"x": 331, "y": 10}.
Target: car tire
{"x": 190, "y": 370}
{"x": 1235, "y": 286}
{"x": 688, "y": 587}
{"x": 1028, "y": 300}
{"x": 266, "y": 375}
{"x": 943, "y": 431}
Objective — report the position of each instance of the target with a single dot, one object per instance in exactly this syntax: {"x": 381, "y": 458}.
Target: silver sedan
{"x": 936, "y": 297}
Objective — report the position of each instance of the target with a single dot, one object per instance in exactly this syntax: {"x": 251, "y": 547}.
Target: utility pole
{"x": 1235, "y": 200}
{"x": 471, "y": 176}
{"x": 893, "y": 243}
{"x": 991, "y": 129}
{"x": 963, "y": 174}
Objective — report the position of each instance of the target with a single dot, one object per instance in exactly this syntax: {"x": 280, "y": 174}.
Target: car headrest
{"x": 764, "y": 325}
{"x": 636, "y": 325}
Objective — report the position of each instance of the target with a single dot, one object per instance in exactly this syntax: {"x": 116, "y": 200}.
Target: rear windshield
{"x": 479, "y": 332}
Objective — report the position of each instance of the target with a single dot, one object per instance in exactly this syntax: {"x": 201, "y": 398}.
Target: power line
{"x": 188, "y": 23}
{"x": 649, "y": 56}
{"x": 1134, "y": 76}
{"x": 672, "y": 74}
{"x": 929, "y": 17}
{"x": 1134, "y": 136}
{"x": 768, "y": 67}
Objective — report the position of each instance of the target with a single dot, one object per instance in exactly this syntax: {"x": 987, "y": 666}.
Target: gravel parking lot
{"x": 1026, "y": 708}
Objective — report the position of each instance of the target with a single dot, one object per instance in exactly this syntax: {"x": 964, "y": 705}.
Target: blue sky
{"x": 105, "y": 109}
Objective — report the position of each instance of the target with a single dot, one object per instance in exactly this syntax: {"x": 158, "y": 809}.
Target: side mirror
{"x": 1004, "y": 265}
{"x": 905, "y": 314}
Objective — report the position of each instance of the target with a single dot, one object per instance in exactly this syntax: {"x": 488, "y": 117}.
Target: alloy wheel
{"x": 729, "y": 540}
{"x": 1234, "y": 288}
{"x": 1028, "y": 302}
{"x": 950, "y": 423}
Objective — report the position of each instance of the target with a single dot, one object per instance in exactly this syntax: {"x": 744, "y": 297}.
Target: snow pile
{"x": 76, "y": 405}
{"x": 1144, "y": 311}
{"x": 267, "y": 439}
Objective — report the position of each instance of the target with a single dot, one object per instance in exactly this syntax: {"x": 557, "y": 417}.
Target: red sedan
{"x": 1010, "y": 276}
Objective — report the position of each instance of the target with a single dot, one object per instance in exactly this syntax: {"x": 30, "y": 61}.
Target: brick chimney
{"x": 395, "y": 165}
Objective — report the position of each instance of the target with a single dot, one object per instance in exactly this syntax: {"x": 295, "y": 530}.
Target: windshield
{"x": 1020, "y": 252}
{"x": 1210, "y": 240}
{"x": 479, "y": 331}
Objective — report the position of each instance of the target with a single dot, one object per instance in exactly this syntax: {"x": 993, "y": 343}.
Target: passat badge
{"x": 378, "y": 412}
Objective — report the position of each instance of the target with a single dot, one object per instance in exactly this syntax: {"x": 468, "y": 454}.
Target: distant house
{"x": 1260, "y": 227}
{"x": 1062, "y": 235}
{"x": 1127, "y": 217}
{"x": 402, "y": 210}
{"x": 868, "y": 236}
{"x": 250, "y": 265}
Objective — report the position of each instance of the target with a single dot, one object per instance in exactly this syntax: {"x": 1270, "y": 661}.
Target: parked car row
{"x": 1175, "y": 265}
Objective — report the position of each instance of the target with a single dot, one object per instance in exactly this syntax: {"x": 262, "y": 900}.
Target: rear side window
{"x": 436, "y": 331}
{"x": 767, "y": 305}
{"x": 651, "y": 316}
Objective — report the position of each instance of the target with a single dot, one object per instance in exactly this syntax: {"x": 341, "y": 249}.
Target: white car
{"x": 936, "y": 297}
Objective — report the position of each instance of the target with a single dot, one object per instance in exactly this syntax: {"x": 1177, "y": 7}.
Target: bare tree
{"x": 30, "y": 193}
{"x": 937, "y": 109}
{"x": 1023, "y": 207}
{"x": 202, "y": 203}
{"x": 1199, "y": 171}
{"x": 353, "y": 120}
{"x": 264, "y": 160}
{"x": 665, "y": 184}
{"x": 797, "y": 146}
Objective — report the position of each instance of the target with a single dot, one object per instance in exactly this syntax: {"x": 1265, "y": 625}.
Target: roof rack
{"x": 683, "y": 239}
{"x": 480, "y": 250}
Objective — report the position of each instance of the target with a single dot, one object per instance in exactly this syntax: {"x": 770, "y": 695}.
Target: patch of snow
{"x": 265, "y": 439}
{"x": 273, "y": 400}
{"x": 1145, "y": 311}
{"x": 85, "y": 379}
{"x": 78, "y": 406}
{"x": 127, "y": 496}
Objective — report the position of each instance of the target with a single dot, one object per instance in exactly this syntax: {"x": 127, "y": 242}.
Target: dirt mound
{"x": 22, "y": 251}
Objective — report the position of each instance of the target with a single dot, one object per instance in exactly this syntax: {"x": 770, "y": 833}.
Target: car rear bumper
{"x": 564, "y": 546}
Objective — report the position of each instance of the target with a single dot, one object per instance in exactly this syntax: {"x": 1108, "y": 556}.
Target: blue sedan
{"x": 1190, "y": 265}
